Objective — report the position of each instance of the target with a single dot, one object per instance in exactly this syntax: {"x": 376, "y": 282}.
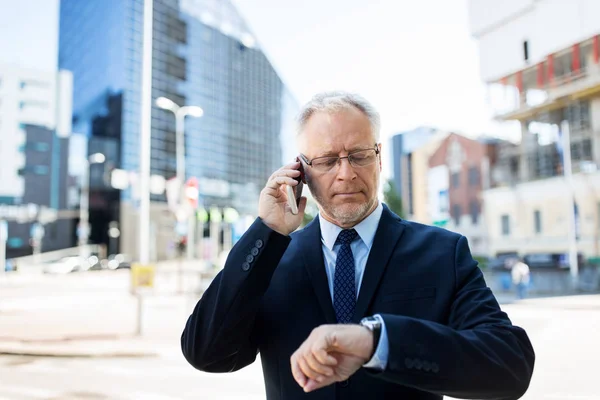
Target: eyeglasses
{"x": 359, "y": 158}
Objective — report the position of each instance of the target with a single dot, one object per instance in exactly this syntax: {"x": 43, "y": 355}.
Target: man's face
{"x": 346, "y": 194}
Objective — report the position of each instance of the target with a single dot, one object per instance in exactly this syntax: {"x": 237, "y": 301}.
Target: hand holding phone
{"x": 294, "y": 193}
{"x": 282, "y": 212}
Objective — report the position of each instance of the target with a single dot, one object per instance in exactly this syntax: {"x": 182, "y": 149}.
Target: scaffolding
{"x": 540, "y": 153}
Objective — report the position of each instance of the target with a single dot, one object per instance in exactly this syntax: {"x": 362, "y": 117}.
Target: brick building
{"x": 459, "y": 170}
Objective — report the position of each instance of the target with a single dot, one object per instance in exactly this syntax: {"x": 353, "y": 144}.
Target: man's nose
{"x": 345, "y": 169}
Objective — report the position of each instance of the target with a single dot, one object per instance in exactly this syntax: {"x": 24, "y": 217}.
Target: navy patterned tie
{"x": 344, "y": 286}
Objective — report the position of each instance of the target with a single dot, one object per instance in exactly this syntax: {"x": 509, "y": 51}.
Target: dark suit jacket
{"x": 447, "y": 334}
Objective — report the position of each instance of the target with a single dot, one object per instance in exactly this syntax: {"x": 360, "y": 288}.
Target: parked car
{"x": 64, "y": 265}
{"x": 114, "y": 262}
{"x": 502, "y": 261}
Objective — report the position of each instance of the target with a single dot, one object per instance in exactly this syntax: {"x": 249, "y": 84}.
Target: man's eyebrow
{"x": 332, "y": 153}
{"x": 329, "y": 153}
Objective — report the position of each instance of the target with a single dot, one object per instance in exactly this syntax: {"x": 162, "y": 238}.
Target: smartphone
{"x": 295, "y": 192}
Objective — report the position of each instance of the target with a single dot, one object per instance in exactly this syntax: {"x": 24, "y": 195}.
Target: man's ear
{"x": 380, "y": 154}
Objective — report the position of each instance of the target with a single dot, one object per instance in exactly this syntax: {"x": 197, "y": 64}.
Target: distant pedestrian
{"x": 520, "y": 277}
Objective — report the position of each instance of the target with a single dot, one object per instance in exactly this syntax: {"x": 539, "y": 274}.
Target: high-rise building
{"x": 35, "y": 124}
{"x": 541, "y": 62}
{"x": 203, "y": 55}
{"x": 403, "y": 145}
{"x": 45, "y": 176}
{"x": 28, "y": 97}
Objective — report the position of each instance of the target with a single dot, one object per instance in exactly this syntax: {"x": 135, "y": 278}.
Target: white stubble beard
{"x": 339, "y": 213}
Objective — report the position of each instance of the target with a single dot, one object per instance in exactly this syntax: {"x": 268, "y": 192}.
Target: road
{"x": 564, "y": 331}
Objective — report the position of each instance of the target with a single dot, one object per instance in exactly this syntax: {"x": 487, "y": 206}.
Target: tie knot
{"x": 346, "y": 236}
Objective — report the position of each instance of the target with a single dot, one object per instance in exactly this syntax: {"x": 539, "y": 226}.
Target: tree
{"x": 310, "y": 213}
{"x": 308, "y": 217}
{"x": 392, "y": 198}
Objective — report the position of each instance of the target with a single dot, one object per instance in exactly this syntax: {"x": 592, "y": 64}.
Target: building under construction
{"x": 541, "y": 62}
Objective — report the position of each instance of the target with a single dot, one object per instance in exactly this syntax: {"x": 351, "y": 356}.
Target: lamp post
{"x": 84, "y": 203}
{"x": 180, "y": 114}
{"x": 145, "y": 139}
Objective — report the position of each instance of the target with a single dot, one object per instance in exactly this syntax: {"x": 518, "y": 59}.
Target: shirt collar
{"x": 366, "y": 228}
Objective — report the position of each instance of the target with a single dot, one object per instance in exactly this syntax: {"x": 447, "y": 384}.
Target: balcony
{"x": 537, "y": 161}
{"x": 560, "y": 79}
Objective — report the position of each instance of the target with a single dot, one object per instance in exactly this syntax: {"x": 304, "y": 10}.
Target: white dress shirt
{"x": 361, "y": 248}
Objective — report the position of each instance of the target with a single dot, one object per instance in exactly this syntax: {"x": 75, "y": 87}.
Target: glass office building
{"x": 203, "y": 55}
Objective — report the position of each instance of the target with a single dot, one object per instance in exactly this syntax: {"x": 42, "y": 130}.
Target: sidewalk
{"x": 95, "y": 316}
{"x": 107, "y": 330}
{"x": 81, "y": 347}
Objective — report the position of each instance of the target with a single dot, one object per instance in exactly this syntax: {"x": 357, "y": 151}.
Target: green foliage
{"x": 307, "y": 218}
{"x": 392, "y": 198}
{"x": 310, "y": 213}
{"x": 483, "y": 261}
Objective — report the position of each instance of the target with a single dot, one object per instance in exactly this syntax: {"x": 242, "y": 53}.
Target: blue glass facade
{"x": 238, "y": 140}
{"x": 91, "y": 45}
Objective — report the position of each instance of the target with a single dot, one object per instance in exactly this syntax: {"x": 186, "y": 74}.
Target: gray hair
{"x": 339, "y": 100}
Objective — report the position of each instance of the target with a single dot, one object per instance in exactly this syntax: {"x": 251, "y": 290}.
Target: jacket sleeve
{"x": 478, "y": 355}
{"x": 219, "y": 335}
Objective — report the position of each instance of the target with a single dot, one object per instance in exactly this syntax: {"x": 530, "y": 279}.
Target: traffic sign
{"x": 142, "y": 276}
{"x": 192, "y": 191}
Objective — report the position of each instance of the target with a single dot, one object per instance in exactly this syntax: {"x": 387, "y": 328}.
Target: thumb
{"x": 302, "y": 205}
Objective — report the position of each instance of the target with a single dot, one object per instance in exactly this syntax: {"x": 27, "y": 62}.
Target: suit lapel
{"x": 387, "y": 235}
{"x": 312, "y": 253}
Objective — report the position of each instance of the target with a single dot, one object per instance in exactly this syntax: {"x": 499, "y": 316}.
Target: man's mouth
{"x": 346, "y": 194}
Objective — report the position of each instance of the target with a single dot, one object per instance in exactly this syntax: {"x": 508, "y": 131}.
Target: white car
{"x": 67, "y": 265}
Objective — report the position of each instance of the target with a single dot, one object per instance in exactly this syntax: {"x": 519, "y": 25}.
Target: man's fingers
{"x": 292, "y": 165}
{"x": 285, "y": 172}
{"x": 317, "y": 366}
{"x": 324, "y": 358}
{"x": 302, "y": 205}
{"x": 307, "y": 370}
{"x": 312, "y": 385}
{"x": 276, "y": 182}
{"x": 296, "y": 372}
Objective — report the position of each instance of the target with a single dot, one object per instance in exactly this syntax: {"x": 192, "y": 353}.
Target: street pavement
{"x": 92, "y": 316}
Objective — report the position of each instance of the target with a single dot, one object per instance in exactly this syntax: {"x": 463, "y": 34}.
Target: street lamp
{"x": 84, "y": 202}
{"x": 180, "y": 114}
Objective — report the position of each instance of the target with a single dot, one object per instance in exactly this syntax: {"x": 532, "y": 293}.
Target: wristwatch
{"x": 374, "y": 325}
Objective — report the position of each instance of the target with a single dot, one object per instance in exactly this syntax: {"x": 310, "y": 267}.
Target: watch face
{"x": 370, "y": 322}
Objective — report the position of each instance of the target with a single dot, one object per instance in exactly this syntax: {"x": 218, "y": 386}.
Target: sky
{"x": 29, "y": 33}
{"x": 414, "y": 60}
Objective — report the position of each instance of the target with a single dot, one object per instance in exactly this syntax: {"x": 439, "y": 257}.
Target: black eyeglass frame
{"x": 339, "y": 159}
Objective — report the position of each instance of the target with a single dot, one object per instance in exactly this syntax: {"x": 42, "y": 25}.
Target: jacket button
{"x": 435, "y": 368}
{"x": 426, "y": 366}
{"x": 345, "y": 383}
{"x": 259, "y": 243}
{"x": 245, "y": 266}
{"x": 408, "y": 363}
{"x": 254, "y": 251}
{"x": 418, "y": 364}
{"x": 249, "y": 258}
